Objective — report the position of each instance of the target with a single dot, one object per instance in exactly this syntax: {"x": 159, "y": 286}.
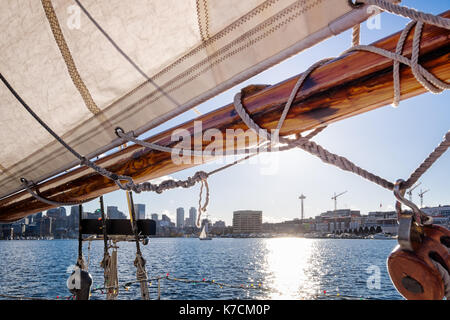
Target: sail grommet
{"x": 118, "y": 131}
{"x": 122, "y": 134}
{"x": 355, "y": 4}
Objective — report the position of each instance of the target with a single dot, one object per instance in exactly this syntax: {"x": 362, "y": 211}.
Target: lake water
{"x": 276, "y": 268}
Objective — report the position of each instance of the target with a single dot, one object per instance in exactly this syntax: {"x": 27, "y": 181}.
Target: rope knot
{"x": 202, "y": 175}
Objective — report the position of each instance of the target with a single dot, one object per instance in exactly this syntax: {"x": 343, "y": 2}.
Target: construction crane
{"x": 335, "y": 198}
{"x": 421, "y": 193}
{"x": 411, "y": 190}
{"x": 302, "y": 197}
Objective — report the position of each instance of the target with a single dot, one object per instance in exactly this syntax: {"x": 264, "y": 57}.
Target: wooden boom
{"x": 347, "y": 86}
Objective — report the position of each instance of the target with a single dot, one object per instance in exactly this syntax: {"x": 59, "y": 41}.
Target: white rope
{"x": 424, "y": 77}
{"x": 396, "y": 70}
{"x": 432, "y": 84}
{"x": 130, "y": 137}
{"x": 429, "y": 79}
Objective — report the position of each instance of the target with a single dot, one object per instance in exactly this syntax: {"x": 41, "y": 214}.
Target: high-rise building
{"x": 56, "y": 213}
{"x": 192, "y": 216}
{"x": 46, "y": 226}
{"x": 112, "y": 212}
{"x": 37, "y": 217}
{"x": 74, "y": 217}
{"x": 180, "y": 217}
{"x": 139, "y": 211}
{"x": 247, "y": 221}
{"x": 154, "y": 216}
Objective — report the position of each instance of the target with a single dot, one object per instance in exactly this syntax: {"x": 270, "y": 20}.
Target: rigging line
{"x": 130, "y": 137}
{"x": 396, "y": 69}
{"x": 139, "y": 262}
{"x": 428, "y": 80}
{"x": 28, "y": 185}
{"x": 356, "y": 34}
{"x": 428, "y": 162}
{"x": 256, "y": 287}
{"x": 283, "y": 148}
{"x": 80, "y": 262}
{"x": 83, "y": 160}
{"x": 116, "y": 46}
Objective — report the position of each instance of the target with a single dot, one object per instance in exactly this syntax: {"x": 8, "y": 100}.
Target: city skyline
{"x": 391, "y": 142}
{"x": 58, "y": 223}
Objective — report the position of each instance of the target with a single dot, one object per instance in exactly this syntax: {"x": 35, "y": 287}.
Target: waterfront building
{"x": 56, "y": 212}
{"x": 219, "y": 224}
{"x": 112, "y": 212}
{"x": 139, "y": 211}
{"x": 180, "y": 217}
{"x": 5, "y": 230}
{"x": 293, "y": 227}
{"x": 46, "y": 226}
{"x": 247, "y": 221}
{"x": 73, "y": 220}
{"x": 32, "y": 230}
{"x": 387, "y": 220}
{"x": 440, "y": 214}
{"x": 37, "y": 217}
{"x": 337, "y": 221}
{"x": 439, "y": 211}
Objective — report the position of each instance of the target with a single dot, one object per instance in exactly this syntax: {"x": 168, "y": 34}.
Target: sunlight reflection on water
{"x": 285, "y": 268}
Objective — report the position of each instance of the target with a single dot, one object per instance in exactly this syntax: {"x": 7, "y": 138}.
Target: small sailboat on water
{"x": 204, "y": 234}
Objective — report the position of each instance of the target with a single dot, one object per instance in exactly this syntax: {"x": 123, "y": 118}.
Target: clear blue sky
{"x": 390, "y": 142}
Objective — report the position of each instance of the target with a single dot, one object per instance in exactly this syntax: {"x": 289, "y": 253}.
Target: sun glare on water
{"x": 287, "y": 264}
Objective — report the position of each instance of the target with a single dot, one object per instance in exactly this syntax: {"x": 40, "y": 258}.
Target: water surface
{"x": 286, "y": 268}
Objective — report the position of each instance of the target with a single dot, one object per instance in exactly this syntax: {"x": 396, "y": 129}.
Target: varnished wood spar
{"x": 347, "y": 86}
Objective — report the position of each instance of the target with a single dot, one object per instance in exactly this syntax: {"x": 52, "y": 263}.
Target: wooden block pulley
{"x": 413, "y": 273}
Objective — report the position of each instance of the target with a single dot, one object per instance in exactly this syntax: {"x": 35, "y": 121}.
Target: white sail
{"x": 203, "y": 233}
{"x": 191, "y": 50}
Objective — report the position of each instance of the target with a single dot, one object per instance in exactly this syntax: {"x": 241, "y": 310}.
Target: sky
{"x": 390, "y": 142}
